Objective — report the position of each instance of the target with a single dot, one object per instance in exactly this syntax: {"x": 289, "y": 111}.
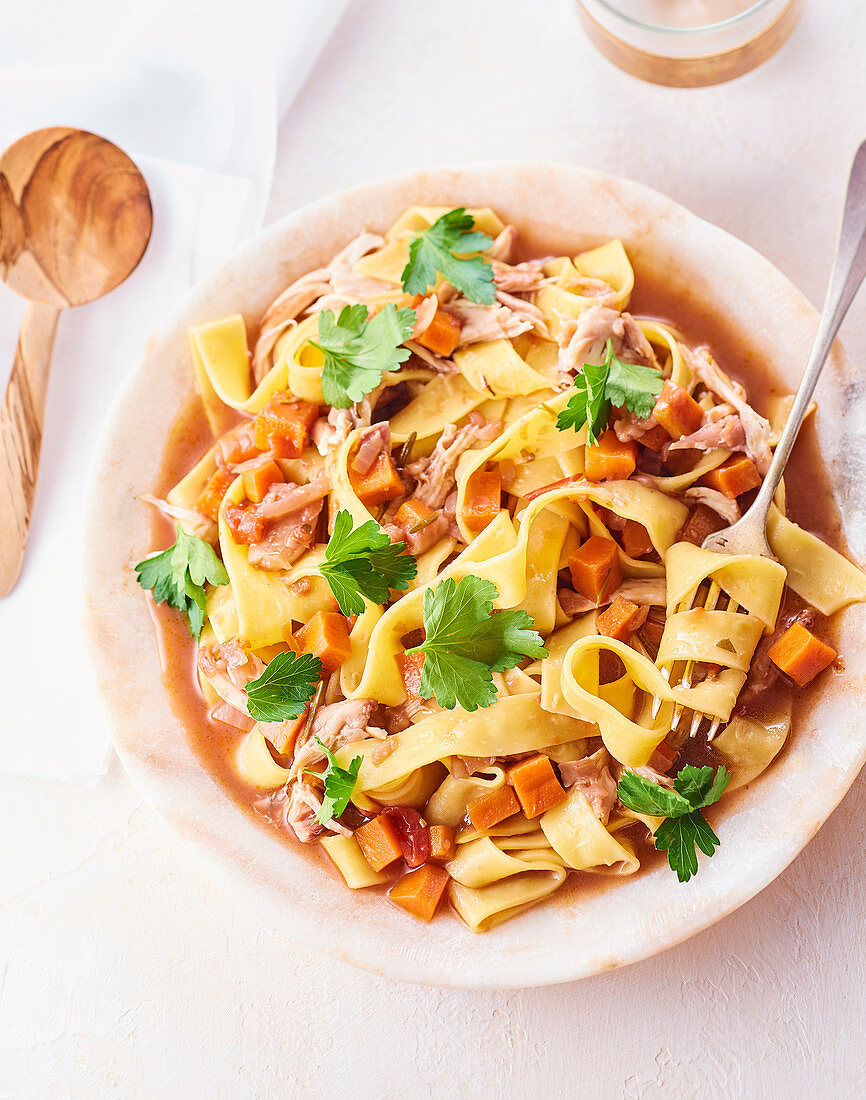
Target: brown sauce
{"x": 810, "y": 503}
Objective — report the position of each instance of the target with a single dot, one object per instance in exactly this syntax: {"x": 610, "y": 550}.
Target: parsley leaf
{"x": 645, "y": 797}
{"x": 442, "y": 249}
{"x": 467, "y": 641}
{"x": 339, "y": 784}
{"x": 364, "y": 562}
{"x": 598, "y": 388}
{"x": 177, "y": 576}
{"x": 285, "y": 687}
{"x": 357, "y": 351}
{"x": 684, "y": 826}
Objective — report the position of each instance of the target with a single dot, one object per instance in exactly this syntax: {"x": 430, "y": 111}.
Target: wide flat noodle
{"x": 747, "y": 746}
{"x": 630, "y": 737}
{"x": 493, "y": 368}
{"x": 582, "y": 841}
{"x": 817, "y": 573}
{"x": 513, "y": 724}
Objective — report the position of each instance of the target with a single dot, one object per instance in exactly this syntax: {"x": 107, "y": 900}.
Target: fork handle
{"x": 849, "y": 269}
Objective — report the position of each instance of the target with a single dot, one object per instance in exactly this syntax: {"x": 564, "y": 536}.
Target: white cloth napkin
{"x": 193, "y": 92}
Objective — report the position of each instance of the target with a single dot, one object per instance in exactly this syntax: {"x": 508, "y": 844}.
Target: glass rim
{"x": 659, "y": 28}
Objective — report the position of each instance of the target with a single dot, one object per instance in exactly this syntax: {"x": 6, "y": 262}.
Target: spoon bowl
{"x": 75, "y": 219}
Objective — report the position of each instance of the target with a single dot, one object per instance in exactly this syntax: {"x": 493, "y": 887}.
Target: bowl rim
{"x": 162, "y": 765}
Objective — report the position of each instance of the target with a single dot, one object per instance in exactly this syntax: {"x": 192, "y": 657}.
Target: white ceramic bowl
{"x": 564, "y": 939}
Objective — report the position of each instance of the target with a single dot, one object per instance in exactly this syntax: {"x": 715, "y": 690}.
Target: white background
{"x": 124, "y": 970}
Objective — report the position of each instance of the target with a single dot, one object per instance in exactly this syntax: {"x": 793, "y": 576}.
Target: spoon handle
{"x": 21, "y": 435}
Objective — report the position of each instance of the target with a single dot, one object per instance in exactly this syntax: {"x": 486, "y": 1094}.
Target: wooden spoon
{"x": 75, "y": 219}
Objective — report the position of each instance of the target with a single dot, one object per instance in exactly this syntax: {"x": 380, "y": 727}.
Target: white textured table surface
{"x": 124, "y": 970}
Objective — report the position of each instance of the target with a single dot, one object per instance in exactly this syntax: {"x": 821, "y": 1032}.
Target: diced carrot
{"x": 702, "y": 521}
{"x": 735, "y": 476}
{"x": 411, "y": 666}
{"x": 635, "y": 539}
{"x": 246, "y": 524}
{"x": 483, "y": 499}
{"x": 412, "y": 513}
{"x": 283, "y": 425}
{"x": 258, "y": 481}
{"x": 241, "y": 448}
{"x": 594, "y": 568}
{"x": 664, "y": 758}
{"x": 655, "y": 439}
{"x": 212, "y": 495}
{"x": 536, "y": 785}
{"x": 379, "y": 842}
{"x": 326, "y": 636}
{"x": 800, "y": 655}
{"x": 283, "y": 738}
{"x": 441, "y": 335}
{"x": 381, "y": 484}
{"x": 490, "y": 808}
{"x": 618, "y": 621}
{"x": 610, "y": 459}
{"x": 442, "y": 843}
{"x": 676, "y": 411}
{"x": 420, "y": 892}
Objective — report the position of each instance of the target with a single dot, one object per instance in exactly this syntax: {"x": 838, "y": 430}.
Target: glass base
{"x": 693, "y": 72}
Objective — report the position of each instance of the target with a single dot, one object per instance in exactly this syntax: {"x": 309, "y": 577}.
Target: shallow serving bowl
{"x": 571, "y": 936}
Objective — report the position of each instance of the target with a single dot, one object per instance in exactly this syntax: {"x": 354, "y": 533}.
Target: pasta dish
{"x": 439, "y": 571}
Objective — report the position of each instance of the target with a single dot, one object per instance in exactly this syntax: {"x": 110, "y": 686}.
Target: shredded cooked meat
{"x": 285, "y": 498}
{"x": 755, "y": 427}
{"x": 335, "y": 725}
{"x": 434, "y": 475}
{"x": 329, "y": 432}
{"x": 644, "y": 591}
{"x": 630, "y": 427}
{"x": 592, "y": 777}
{"x": 372, "y": 442}
{"x": 480, "y": 323}
{"x": 727, "y": 433}
{"x": 525, "y": 278}
{"x": 503, "y": 245}
{"x": 286, "y": 538}
{"x": 583, "y": 340}
{"x": 728, "y": 509}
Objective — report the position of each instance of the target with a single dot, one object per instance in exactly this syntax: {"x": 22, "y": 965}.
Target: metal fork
{"x": 749, "y": 534}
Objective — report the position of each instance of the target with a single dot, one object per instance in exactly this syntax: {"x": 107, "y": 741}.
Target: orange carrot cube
{"x": 381, "y": 484}
{"x": 483, "y": 499}
{"x": 735, "y": 476}
{"x": 413, "y": 514}
{"x": 490, "y": 808}
{"x": 411, "y": 665}
{"x": 442, "y": 843}
{"x": 800, "y": 655}
{"x": 379, "y": 842}
{"x": 212, "y": 495}
{"x": 282, "y": 735}
{"x": 594, "y": 568}
{"x": 618, "y": 621}
{"x": 420, "y": 892}
{"x": 283, "y": 425}
{"x": 246, "y": 524}
{"x": 241, "y": 448}
{"x": 326, "y": 636}
{"x": 655, "y": 439}
{"x": 536, "y": 785}
{"x": 635, "y": 539}
{"x": 610, "y": 459}
{"x": 676, "y": 411}
{"x": 258, "y": 481}
{"x": 702, "y": 522}
{"x": 442, "y": 334}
